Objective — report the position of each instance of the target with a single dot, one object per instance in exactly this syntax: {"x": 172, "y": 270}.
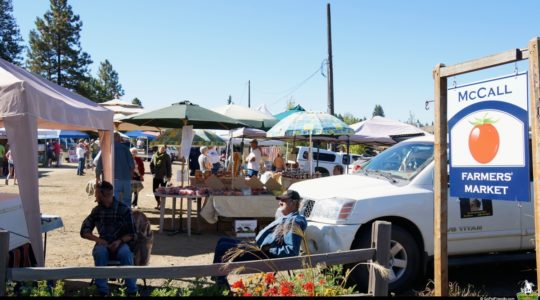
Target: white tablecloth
{"x": 259, "y": 206}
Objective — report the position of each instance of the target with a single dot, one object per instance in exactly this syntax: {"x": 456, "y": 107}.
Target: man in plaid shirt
{"x": 115, "y": 228}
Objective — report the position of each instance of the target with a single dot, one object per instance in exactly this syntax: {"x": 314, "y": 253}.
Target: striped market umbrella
{"x": 310, "y": 125}
{"x": 318, "y": 125}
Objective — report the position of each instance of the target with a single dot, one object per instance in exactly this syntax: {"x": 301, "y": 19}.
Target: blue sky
{"x": 384, "y": 51}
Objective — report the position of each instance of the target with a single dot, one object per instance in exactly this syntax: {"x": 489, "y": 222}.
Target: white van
{"x": 327, "y": 160}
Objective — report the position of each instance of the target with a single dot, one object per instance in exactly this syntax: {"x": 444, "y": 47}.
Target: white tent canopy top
{"x": 27, "y": 102}
{"x": 380, "y": 130}
{"x": 264, "y": 109}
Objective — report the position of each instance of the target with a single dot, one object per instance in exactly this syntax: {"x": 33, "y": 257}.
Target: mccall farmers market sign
{"x": 489, "y": 140}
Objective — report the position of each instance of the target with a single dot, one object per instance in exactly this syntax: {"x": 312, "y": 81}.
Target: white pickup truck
{"x": 397, "y": 186}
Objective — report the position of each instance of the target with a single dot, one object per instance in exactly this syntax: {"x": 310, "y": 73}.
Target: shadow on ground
{"x": 495, "y": 279}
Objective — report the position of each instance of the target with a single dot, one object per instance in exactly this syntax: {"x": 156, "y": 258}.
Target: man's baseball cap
{"x": 289, "y": 195}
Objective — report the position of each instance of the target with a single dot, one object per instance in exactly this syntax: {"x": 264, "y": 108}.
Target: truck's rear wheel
{"x": 404, "y": 265}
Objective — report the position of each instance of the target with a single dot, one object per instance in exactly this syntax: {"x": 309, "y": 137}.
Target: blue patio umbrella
{"x": 73, "y": 134}
{"x": 139, "y": 133}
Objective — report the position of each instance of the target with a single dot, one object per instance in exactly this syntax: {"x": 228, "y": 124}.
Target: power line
{"x": 299, "y": 85}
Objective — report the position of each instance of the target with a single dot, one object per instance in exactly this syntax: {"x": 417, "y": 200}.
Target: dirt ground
{"x": 63, "y": 193}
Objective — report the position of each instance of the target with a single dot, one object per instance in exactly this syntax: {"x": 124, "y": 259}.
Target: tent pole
{"x": 348, "y": 155}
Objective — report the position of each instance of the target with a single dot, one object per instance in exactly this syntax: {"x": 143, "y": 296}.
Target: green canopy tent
{"x": 184, "y": 113}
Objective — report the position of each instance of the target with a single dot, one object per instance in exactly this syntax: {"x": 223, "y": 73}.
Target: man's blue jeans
{"x": 122, "y": 191}
{"x": 80, "y": 168}
{"x": 251, "y": 173}
{"x": 101, "y": 258}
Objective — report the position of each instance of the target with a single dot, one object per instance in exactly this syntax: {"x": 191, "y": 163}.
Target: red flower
{"x": 322, "y": 281}
{"x": 271, "y": 292}
{"x": 238, "y": 285}
{"x": 247, "y": 295}
{"x": 269, "y": 278}
{"x": 309, "y": 287}
{"x": 286, "y": 288}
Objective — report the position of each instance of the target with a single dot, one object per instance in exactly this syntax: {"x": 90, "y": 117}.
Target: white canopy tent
{"x": 264, "y": 109}
{"x": 28, "y": 101}
{"x": 383, "y": 131}
{"x": 251, "y": 117}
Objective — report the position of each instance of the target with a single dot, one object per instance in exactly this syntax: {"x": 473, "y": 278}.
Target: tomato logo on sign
{"x": 484, "y": 140}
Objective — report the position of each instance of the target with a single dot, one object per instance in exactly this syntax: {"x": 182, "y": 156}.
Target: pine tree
{"x": 136, "y": 101}
{"x": 10, "y": 38}
{"x": 55, "y": 50}
{"x": 110, "y": 87}
{"x": 229, "y": 101}
{"x": 378, "y": 111}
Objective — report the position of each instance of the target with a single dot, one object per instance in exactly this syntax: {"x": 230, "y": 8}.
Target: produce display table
{"x": 254, "y": 206}
{"x": 190, "y": 198}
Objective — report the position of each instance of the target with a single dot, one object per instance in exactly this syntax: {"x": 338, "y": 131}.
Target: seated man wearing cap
{"x": 281, "y": 238}
{"x": 253, "y": 159}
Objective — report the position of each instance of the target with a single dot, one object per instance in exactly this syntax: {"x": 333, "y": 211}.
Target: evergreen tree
{"x": 349, "y": 119}
{"x": 55, "y": 51}
{"x": 229, "y": 101}
{"x": 10, "y": 38}
{"x": 110, "y": 87}
{"x": 136, "y": 101}
{"x": 91, "y": 89}
{"x": 378, "y": 111}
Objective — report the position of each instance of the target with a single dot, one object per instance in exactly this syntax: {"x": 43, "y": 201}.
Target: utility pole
{"x": 330, "y": 64}
{"x": 249, "y": 93}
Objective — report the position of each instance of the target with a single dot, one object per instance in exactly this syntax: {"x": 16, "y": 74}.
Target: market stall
{"x": 27, "y": 102}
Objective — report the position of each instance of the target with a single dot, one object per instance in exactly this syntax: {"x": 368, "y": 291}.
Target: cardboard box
{"x": 245, "y": 228}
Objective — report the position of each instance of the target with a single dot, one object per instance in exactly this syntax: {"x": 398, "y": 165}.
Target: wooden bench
{"x": 378, "y": 253}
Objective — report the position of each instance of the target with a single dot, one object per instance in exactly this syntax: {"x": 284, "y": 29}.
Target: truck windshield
{"x": 403, "y": 161}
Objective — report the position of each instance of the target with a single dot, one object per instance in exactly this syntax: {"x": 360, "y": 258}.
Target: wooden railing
{"x": 379, "y": 253}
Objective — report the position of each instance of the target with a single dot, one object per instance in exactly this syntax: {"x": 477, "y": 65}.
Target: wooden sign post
{"x": 440, "y": 75}
{"x": 534, "y": 109}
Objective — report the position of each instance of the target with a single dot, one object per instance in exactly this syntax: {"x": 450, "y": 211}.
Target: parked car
{"x": 358, "y": 164}
{"x": 327, "y": 159}
{"x": 173, "y": 152}
{"x": 397, "y": 186}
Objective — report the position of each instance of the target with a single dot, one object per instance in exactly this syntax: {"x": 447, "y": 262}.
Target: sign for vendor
{"x": 489, "y": 140}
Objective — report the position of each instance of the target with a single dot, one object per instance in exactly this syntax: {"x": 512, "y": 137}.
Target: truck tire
{"x": 405, "y": 260}
{"x": 323, "y": 171}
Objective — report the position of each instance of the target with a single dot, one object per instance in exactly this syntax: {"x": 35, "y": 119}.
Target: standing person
{"x": 214, "y": 159}
{"x": 281, "y": 238}
{"x": 57, "y": 152}
{"x": 194, "y": 154}
{"x": 204, "y": 161}
{"x": 49, "y": 150}
{"x": 138, "y": 176}
{"x": 94, "y": 149}
{"x": 123, "y": 171}
{"x": 2, "y": 154}
{"x": 80, "y": 158}
{"x": 253, "y": 159}
{"x": 279, "y": 164}
{"x": 11, "y": 168}
{"x": 114, "y": 224}
{"x": 235, "y": 160}
{"x": 161, "y": 169}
